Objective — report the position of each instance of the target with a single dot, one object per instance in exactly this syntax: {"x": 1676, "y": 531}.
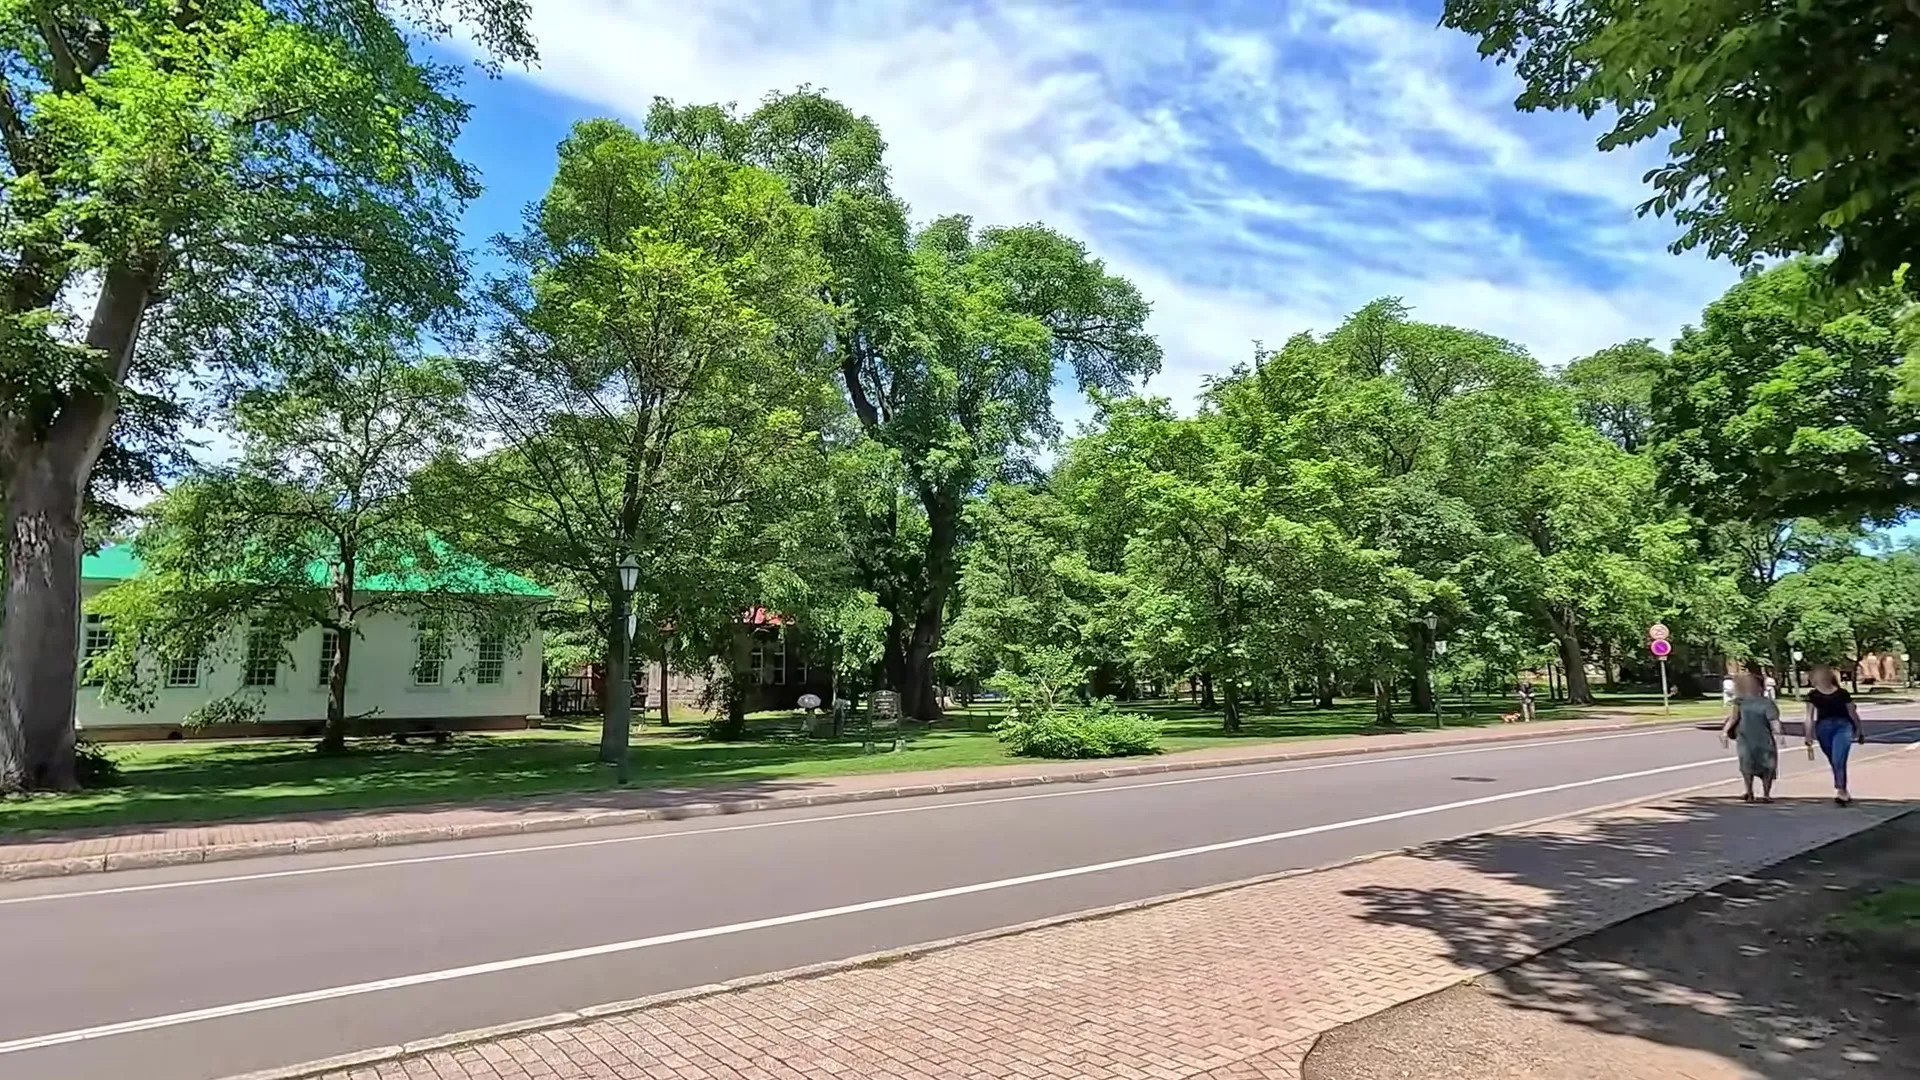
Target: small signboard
{"x": 1658, "y": 632}
{"x": 884, "y": 704}
{"x": 1661, "y": 647}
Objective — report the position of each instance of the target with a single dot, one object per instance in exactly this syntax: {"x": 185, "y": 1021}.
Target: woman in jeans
{"x": 1834, "y": 722}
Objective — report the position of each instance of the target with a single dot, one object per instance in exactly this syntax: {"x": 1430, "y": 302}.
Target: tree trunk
{"x": 919, "y": 697}
{"x": 616, "y": 721}
{"x": 1207, "y": 700}
{"x": 1230, "y": 721}
{"x": 1420, "y": 671}
{"x": 665, "y": 719}
{"x": 1606, "y": 666}
{"x": 333, "y": 734}
{"x": 733, "y": 725}
{"x": 46, "y": 477}
{"x": 40, "y": 638}
{"x": 1578, "y": 692}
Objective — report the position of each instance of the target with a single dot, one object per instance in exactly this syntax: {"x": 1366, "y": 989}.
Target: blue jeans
{"x": 1836, "y": 740}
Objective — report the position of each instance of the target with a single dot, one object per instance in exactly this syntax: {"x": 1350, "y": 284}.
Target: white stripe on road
{"x": 491, "y": 853}
{"x": 309, "y": 997}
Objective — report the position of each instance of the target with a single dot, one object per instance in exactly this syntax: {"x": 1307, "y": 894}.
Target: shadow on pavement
{"x": 1745, "y": 981}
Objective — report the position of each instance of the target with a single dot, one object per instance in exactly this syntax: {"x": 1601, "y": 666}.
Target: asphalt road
{"x": 207, "y": 971}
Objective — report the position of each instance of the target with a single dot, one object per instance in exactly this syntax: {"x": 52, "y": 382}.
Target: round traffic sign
{"x": 1658, "y": 632}
{"x": 1661, "y": 646}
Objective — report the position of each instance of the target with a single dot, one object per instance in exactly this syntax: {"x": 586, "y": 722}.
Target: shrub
{"x": 1081, "y": 731}
{"x": 93, "y": 766}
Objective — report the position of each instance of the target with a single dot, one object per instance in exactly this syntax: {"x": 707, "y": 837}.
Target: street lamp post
{"x": 620, "y": 679}
{"x": 1435, "y": 648}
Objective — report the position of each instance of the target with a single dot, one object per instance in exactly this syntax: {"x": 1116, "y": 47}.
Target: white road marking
{"x": 425, "y": 978}
{"x": 458, "y": 856}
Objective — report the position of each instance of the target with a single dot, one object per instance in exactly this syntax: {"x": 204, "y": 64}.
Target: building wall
{"x": 380, "y": 677}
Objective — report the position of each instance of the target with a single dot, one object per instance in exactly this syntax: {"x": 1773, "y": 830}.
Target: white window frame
{"x": 490, "y": 663}
{"x": 95, "y": 639}
{"x": 178, "y": 664}
{"x": 258, "y": 660}
{"x": 329, "y": 649}
{"x": 429, "y": 631}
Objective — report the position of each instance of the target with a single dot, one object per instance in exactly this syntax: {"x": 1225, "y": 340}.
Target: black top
{"x": 1830, "y": 706}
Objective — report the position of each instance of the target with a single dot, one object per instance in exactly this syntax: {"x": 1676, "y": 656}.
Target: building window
{"x": 183, "y": 672}
{"x": 329, "y": 648}
{"x": 492, "y": 667}
{"x": 767, "y": 663}
{"x": 263, "y": 661}
{"x": 429, "y": 653}
{"x": 96, "y": 641}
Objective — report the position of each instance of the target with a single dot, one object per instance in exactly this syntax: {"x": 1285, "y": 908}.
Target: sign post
{"x": 1661, "y": 647}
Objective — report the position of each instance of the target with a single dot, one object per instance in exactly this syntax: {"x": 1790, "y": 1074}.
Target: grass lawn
{"x": 209, "y": 781}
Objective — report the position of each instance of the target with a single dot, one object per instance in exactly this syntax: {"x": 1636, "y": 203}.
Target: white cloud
{"x": 1255, "y": 173}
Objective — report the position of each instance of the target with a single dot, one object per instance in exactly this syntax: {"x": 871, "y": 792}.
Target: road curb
{"x": 1674, "y": 892}
{"x": 27, "y": 870}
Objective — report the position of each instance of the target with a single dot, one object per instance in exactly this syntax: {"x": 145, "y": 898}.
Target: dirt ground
{"x": 1749, "y": 982}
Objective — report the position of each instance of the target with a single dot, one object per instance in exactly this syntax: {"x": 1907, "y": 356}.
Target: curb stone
{"x": 140, "y": 860}
{"x": 1293, "y": 1054}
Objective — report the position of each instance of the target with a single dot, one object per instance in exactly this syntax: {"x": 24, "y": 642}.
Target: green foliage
{"x": 1098, "y": 730}
{"x": 947, "y": 340}
{"x": 94, "y": 766}
{"x": 225, "y": 175}
{"x": 1613, "y": 391}
{"x": 1785, "y": 403}
{"x": 1790, "y": 123}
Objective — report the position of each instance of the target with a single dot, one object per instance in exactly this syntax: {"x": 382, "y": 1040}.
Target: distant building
{"x": 406, "y": 671}
{"x": 779, "y": 672}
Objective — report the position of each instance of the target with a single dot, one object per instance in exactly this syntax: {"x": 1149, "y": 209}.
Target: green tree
{"x": 211, "y": 172}
{"x": 1613, "y": 391}
{"x": 1790, "y": 123}
{"x": 653, "y": 373}
{"x": 317, "y": 523}
{"x": 1844, "y": 610}
{"x": 947, "y": 340}
{"x": 1785, "y": 403}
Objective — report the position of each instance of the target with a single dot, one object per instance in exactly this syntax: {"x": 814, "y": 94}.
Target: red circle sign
{"x": 1661, "y": 646}
{"x": 1658, "y": 632}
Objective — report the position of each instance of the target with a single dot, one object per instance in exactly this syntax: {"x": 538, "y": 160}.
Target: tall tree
{"x": 1613, "y": 391}
{"x": 1786, "y": 402}
{"x": 317, "y": 523}
{"x": 947, "y": 339}
{"x": 654, "y": 375}
{"x": 1791, "y": 123}
{"x": 208, "y": 171}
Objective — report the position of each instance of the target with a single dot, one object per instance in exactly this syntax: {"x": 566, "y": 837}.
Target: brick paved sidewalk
{"x": 134, "y": 847}
{"x": 1231, "y": 985}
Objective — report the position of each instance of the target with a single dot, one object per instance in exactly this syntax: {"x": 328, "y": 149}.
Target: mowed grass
{"x": 182, "y": 781}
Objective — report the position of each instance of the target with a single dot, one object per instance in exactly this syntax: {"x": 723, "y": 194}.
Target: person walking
{"x": 1526, "y": 701}
{"x": 1753, "y": 723}
{"x": 1833, "y": 721}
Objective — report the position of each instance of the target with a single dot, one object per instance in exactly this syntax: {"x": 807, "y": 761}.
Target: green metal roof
{"x": 457, "y": 573}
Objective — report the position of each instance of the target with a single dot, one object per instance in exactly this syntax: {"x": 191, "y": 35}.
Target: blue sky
{"x": 1257, "y": 168}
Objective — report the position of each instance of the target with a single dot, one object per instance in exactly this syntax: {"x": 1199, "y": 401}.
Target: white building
{"x": 403, "y": 670}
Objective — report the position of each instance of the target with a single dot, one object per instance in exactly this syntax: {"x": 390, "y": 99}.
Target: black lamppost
{"x": 621, "y": 689}
{"x": 1435, "y": 649}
